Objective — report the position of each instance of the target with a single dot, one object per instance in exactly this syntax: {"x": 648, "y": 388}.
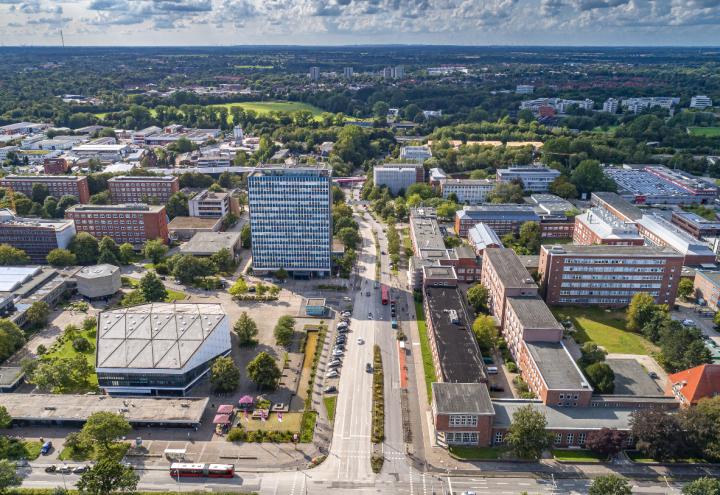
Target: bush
{"x": 41, "y": 349}
{"x": 162, "y": 269}
{"x": 81, "y": 344}
{"x": 512, "y": 367}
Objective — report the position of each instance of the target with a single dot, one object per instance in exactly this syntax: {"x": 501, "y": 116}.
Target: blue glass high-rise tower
{"x": 291, "y": 219}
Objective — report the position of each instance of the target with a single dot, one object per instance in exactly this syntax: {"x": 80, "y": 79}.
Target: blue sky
{"x": 328, "y": 22}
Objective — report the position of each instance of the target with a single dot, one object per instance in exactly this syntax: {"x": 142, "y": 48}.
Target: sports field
{"x": 710, "y": 132}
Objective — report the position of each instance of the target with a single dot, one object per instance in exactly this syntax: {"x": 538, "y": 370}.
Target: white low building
{"x": 160, "y": 349}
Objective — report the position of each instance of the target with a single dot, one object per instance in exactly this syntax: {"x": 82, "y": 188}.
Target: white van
{"x": 492, "y": 370}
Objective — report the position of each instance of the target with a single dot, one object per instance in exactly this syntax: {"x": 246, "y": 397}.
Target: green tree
{"x": 64, "y": 203}
{"x": 246, "y": 330}
{"x": 588, "y": 176}
{"x": 700, "y": 423}
{"x": 658, "y": 434}
{"x": 349, "y": 237}
{"x": 282, "y": 274}
{"x": 50, "y": 207}
{"x": 224, "y": 260}
{"x": 610, "y": 484}
{"x": 591, "y": 353}
{"x": 5, "y": 418}
{"x": 152, "y": 288}
{"x": 155, "y": 250}
{"x": 527, "y": 435}
{"x": 685, "y": 288}
{"x": 380, "y": 109}
{"x": 681, "y": 347}
{"x": 239, "y": 287}
{"x": 641, "y": 309}
{"x": 485, "y": 332}
{"x": 188, "y": 267}
{"x": 601, "y": 377}
{"x": 39, "y": 192}
{"x": 61, "y": 257}
{"x": 86, "y": 248}
{"x": 127, "y": 253}
{"x": 702, "y": 486}
{"x": 107, "y": 476}
{"x": 12, "y": 256}
{"x": 352, "y": 145}
{"x": 224, "y": 375}
{"x": 37, "y": 314}
{"x": 264, "y": 371}
{"x": 133, "y": 298}
{"x": 564, "y": 188}
{"x": 284, "y": 331}
{"x": 506, "y": 192}
{"x": 530, "y": 237}
{"x": 245, "y": 236}
{"x": 177, "y": 205}
{"x": 61, "y": 375}
{"x": 104, "y": 428}
{"x": 11, "y": 338}
{"x": 446, "y": 210}
{"x": 8, "y": 475}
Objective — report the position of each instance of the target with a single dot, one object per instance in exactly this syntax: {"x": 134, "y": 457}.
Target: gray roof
{"x": 603, "y": 249}
{"x": 427, "y": 233}
{"x": 618, "y": 203}
{"x": 158, "y": 335}
{"x": 533, "y": 312}
{"x": 97, "y": 271}
{"x": 9, "y": 376}
{"x": 490, "y": 212}
{"x": 458, "y": 352}
{"x": 462, "y": 398}
{"x": 558, "y": 418}
{"x": 130, "y": 207}
{"x": 556, "y": 366}
{"x": 465, "y": 251}
{"x": 207, "y": 243}
{"x": 509, "y": 268}
{"x": 674, "y": 236}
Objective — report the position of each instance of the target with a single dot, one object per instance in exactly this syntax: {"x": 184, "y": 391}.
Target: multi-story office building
{"x": 700, "y": 102}
{"x": 398, "y": 176}
{"x": 534, "y": 179}
{"x": 707, "y": 288}
{"x": 314, "y": 73}
{"x": 617, "y": 206}
{"x": 505, "y": 276}
{"x": 637, "y": 105}
{"x": 398, "y": 72}
{"x": 141, "y": 189}
{"x": 208, "y": 204}
{"x": 608, "y": 275}
{"x": 36, "y": 236}
{"x": 467, "y": 191}
{"x": 696, "y": 225}
{"x": 524, "y": 89}
{"x": 58, "y": 185}
{"x": 599, "y": 226}
{"x": 348, "y": 72}
{"x": 611, "y": 105}
{"x": 502, "y": 218}
{"x": 131, "y": 223}
{"x": 291, "y": 219}
{"x": 659, "y": 232}
{"x": 415, "y": 153}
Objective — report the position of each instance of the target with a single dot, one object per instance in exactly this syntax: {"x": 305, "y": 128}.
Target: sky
{"x": 348, "y": 22}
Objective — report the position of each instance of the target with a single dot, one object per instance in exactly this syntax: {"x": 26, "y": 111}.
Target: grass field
{"x": 330, "y": 404}
{"x": 476, "y": 453}
{"x": 290, "y": 422}
{"x": 428, "y": 366}
{"x": 709, "y": 132}
{"x": 15, "y": 449}
{"x": 173, "y": 295}
{"x": 66, "y": 350}
{"x": 606, "y": 329}
{"x": 264, "y": 107}
{"x": 575, "y": 455}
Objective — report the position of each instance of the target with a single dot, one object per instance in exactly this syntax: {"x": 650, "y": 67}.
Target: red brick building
{"x": 132, "y": 223}
{"x": 141, "y": 189}
{"x": 599, "y": 226}
{"x": 58, "y": 186}
{"x": 56, "y": 166}
{"x": 693, "y": 385}
{"x": 504, "y": 276}
{"x": 608, "y": 275}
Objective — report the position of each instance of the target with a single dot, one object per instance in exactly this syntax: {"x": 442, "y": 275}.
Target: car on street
{"x": 653, "y": 375}
{"x": 468, "y": 493}
{"x": 338, "y": 353}
{"x": 332, "y": 374}
{"x": 79, "y": 469}
{"x": 688, "y": 323}
{"x": 368, "y": 367}
{"x": 64, "y": 469}
{"x": 330, "y": 390}
{"x": 370, "y": 316}
{"x": 360, "y": 341}
{"x": 51, "y": 469}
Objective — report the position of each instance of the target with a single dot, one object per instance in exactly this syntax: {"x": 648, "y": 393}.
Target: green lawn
{"x": 638, "y": 456}
{"x": 605, "y": 328}
{"x": 14, "y": 449}
{"x": 173, "y": 295}
{"x": 330, "y": 404}
{"x": 66, "y": 350}
{"x": 577, "y": 455}
{"x": 428, "y": 366}
{"x": 290, "y": 422}
{"x": 476, "y": 453}
{"x": 265, "y": 107}
{"x": 709, "y": 132}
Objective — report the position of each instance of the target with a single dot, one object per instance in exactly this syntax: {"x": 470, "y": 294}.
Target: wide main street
{"x": 347, "y": 466}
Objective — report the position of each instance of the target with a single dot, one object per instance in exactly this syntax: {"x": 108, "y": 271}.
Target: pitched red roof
{"x": 698, "y": 382}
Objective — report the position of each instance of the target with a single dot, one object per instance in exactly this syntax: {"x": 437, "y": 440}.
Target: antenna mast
{"x": 62, "y": 38}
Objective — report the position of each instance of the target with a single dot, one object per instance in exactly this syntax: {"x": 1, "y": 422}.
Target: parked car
{"x": 370, "y": 316}
{"x": 343, "y": 330}
{"x": 51, "y": 469}
{"x": 332, "y": 374}
{"x": 335, "y": 363}
{"x": 653, "y": 375}
{"x": 45, "y": 449}
{"x": 79, "y": 469}
{"x": 492, "y": 370}
{"x": 368, "y": 367}
{"x": 64, "y": 469}
{"x": 688, "y": 323}
{"x": 330, "y": 390}
{"x": 346, "y": 314}
{"x": 338, "y": 353}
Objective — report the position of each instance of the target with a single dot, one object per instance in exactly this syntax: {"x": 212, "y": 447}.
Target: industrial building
{"x": 659, "y": 232}
{"x": 160, "y": 348}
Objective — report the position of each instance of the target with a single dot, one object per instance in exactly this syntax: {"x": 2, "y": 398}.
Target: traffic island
{"x": 378, "y": 411}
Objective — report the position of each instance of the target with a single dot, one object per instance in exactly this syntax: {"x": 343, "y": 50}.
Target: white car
{"x": 346, "y": 314}
{"x": 688, "y": 323}
{"x": 338, "y": 353}
{"x": 360, "y": 341}
{"x": 332, "y": 374}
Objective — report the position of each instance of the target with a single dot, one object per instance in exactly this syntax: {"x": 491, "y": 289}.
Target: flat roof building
{"x": 505, "y": 276}
{"x": 502, "y": 218}
{"x": 142, "y": 189}
{"x": 131, "y": 223}
{"x": 695, "y": 225}
{"x": 467, "y": 191}
{"x": 98, "y": 281}
{"x": 534, "y": 178}
{"x": 291, "y": 219}
{"x": 415, "y": 153}
{"x": 608, "y": 275}
{"x": 209, "y": 204}
{"x": 658, "y": 185}
{"x": 398, "y": 176}
{"x": 36, "y": 236}
{"x": 707, "y": 287}
{"x": 659, "y": 232}
{"x": 209, "y": 243}
{"x": 616, "y": 205}
{"x": 58, "y": 185}
{"x": 159, "y": 348}
{"x": 462, "y": 413}
{"x": 599, "y": 226}
{"x": 183, "y": 228}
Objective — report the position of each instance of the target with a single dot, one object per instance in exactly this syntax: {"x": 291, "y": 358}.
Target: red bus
{"x": 181, "y": 469}
{"x": 384, "y": 294}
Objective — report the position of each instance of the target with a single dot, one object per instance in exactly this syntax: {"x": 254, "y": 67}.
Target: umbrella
{"x": 221, "y": 419}
{"x": 246, "y": 399}
{"x": 225, "y": 409}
